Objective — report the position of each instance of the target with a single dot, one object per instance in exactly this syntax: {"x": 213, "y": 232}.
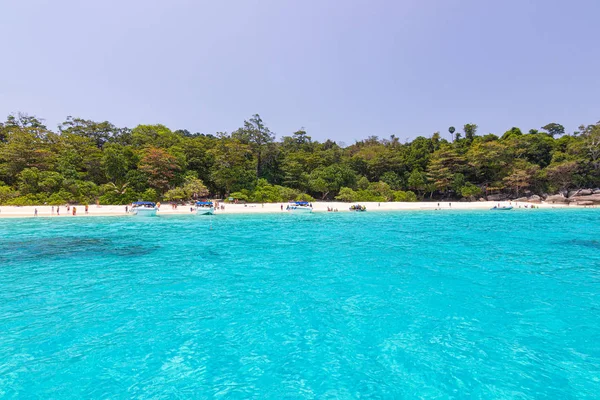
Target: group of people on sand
{"x": 439, "y": 207}
{"x": 70, "y": 209}
{"x": 331, "y": 209}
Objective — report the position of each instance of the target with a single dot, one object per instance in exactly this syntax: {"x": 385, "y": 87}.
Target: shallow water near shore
{"x": 430, "y": 304}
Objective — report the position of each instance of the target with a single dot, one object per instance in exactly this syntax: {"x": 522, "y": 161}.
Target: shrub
{"x": 194, "y": 188}
{"x": 346, "y": 194}
{"x": 407, "y": 196}
{"x": 6, "y": 194}
{"x": 149, "y": 195}
{"x": 27, "y": 200}
{"x": 127, "y": 196}
{"x": 304, "y": 197}
{"x": 286, "y": 193}
{"x": 469, "y": 190}
{"x": 381, "y": 190}
{"x": 177, "y": 194}
{"x": 242, "y": 195}
{"x": 363, "y": 183}
{"x": 265, "y": 193}
{"x": 368, "y": 195}
{"x": 58, "y": 198}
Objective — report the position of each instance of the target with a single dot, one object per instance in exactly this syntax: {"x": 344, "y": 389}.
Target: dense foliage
{"x": 86, "y": 161}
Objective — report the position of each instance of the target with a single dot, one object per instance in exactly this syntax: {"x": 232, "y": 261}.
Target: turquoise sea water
{"x": 430, "y": 304}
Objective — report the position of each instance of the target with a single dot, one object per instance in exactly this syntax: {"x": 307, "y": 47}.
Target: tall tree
{"x": 444, "y": 163}
{"x": 554, "y": 129}
{"x": 233, "y": 165}
{"x": 470, "y": 131}
{"x": 26, "y": 122}
{"x": 116, "y": 161}
{"x": 78, "y": 157}
{"x": 521, "y": 176}
{"x": 591, "y": 138}
{"x": 511, "y": 133}
{"x": 562, "y": 174}
{"x": 331, "y": 179}
{"x": 435, "y": 140}
{"x": 160, "y": 167}
{"x": 25, "y": 145}
{"x": 98, "y": 132}
{"x": 258, "y": 136}
{"x": 489, "y": 160}
{"x": 155, "y": 136}
{"x": 417, "y": 181}
{"x": 452, "y": 130}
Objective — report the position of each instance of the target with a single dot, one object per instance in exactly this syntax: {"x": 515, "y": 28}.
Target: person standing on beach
{"x": 57, "y": 210}
{"x": 74, "y": 210}
{"x": 35, "y": 212}
{"x": 52, "y": 210}
{"x": 126, "y": 209}
{"x": 86, "y": 208}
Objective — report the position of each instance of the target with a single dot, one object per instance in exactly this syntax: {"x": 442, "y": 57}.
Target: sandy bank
{"x": 166, "y": 209}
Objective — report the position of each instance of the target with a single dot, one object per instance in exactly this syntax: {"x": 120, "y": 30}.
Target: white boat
{"x": 143, "y": 208}
{"x": 504, "y": 208}
{"x": 205, "y": 208}
{"x": 299, "y": 207}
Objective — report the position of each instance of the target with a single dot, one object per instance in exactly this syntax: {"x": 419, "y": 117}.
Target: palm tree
{"x": 120, "y": 190}
{"x": 452, "y": 130}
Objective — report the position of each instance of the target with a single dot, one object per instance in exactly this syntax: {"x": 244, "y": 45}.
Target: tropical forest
{"x": 84, "y": 161}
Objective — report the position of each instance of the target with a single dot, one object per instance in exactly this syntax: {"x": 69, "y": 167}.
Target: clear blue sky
{"x": 341, "y": 69}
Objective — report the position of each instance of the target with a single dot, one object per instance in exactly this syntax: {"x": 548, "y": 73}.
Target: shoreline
{"x": 272, "y": 208}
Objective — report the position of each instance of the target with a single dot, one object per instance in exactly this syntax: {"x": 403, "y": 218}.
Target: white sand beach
{"x": 167, "y": 209}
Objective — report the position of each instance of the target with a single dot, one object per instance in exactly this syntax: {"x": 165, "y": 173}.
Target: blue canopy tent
{"x": 143, "y": 203}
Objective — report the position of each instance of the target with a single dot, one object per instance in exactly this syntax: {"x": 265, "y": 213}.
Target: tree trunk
{"x": 258, "y": 162}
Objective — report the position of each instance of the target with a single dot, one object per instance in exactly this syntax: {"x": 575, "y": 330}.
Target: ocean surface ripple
{"x": 431, "y": 304}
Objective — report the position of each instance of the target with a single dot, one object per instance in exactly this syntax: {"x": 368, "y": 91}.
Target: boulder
{"x": 481, "y": 199}
{"x": 557, "y": 198}
{"x": 522, "y": 199}
{"x": 534, "y": 199}
{"x": 497, "y": 197}
{"x": 580, "y": 192}
{"x": 596, "y": 191}
{"x": 585, "y": 203}
{"x": 595, "y": 198}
